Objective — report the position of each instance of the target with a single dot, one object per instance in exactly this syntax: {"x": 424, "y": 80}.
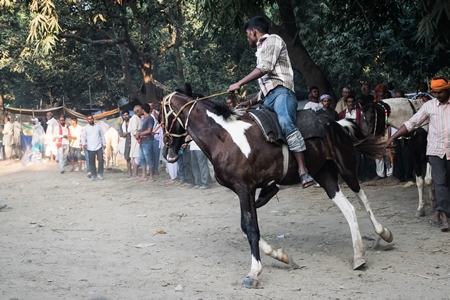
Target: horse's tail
{"x": 368, "y": 145}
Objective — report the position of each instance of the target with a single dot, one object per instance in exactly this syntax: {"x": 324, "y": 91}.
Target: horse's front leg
{"x": 430, "y": 184}
{"x": 249, "y": 225}
{"x": 277, "y": 253}
{"x": 421, "y": 208}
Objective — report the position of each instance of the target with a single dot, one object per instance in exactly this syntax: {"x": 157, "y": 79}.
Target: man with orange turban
{"x": 437, "y": 111}
{"x": 380, "y": 92}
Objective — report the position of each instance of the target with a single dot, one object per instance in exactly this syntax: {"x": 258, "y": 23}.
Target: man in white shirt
{"x": 61, "y": 137}
{"x": 8, "y": 138}
{"x": 94, "y": 141}
{"x": 75, "y": 147}
{"x": 50, "y": 145}
{"x": 17, "y": 128}
{"x": 313, "y": 99}
{"x": 135, "y": 126}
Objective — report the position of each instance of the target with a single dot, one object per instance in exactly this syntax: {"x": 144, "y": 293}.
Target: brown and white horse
{"x": 243, "y": 161}
{"x": 394, "y": 112}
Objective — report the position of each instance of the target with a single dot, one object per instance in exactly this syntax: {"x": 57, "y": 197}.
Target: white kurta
{"x": 8, "y": 134}
{"x": 135, "y": 125}
{"x": 50, "y": 145}
{"x": 8, "y": 139}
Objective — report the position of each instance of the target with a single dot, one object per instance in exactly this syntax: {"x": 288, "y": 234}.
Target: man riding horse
{"x": 276, "y": 81}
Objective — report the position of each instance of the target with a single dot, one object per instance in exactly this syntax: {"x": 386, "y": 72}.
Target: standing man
{"x": 126, "y": 134}
{"x": 313, "y": 98}
{"x": 61, "y": 137}
{"x": 340, "y": 105}
{"x": 94, "y": 141}
{"x": 276, "y": 81}
{"x": 157, "y": 135}
{"x": 146, "y": 147}
{"x": 380, "y": 92}
{"x": 37, "y": 141}
{"x": 351, "y": 111}
{"x": 8, "y": 137}
{"x": 326, "y": 109}
{"x": 231, "y": 102}
{"x": 50, "y": 145}
{"x": 437, "y": 112}
{"x": 366, "y": 97}
{"x": 17, "y": 128}
{"x": 75, "y": 148}
{"x": 135, "y": 126}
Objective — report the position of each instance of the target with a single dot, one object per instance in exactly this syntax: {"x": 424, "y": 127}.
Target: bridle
{"x": 169, "y": 111}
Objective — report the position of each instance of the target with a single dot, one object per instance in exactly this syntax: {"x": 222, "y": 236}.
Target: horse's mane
{"x": 219, "y": 108}
{"x": 187, "y": 90}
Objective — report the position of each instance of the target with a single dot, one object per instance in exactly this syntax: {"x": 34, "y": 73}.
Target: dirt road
{"x": 65, "y": 237}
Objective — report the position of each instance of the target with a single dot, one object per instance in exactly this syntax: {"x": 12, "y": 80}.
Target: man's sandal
{"x": 307, "y": 180}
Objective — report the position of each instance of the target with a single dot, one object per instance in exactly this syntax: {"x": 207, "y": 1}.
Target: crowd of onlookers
{"x": 81, "y": 148}
{"x": 349, "y": 106}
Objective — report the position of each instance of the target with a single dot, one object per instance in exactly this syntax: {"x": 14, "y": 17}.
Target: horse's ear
{"x": 188, "y": 89}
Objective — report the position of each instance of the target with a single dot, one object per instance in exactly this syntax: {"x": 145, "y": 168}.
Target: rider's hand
{"x": 234, "y": 87}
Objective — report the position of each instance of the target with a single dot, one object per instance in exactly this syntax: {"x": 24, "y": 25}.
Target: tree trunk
{"x": 2, "y": 108}
{"x": 179, "y": 66}
{"x": 176, "y": 47}
{"x": 298, "y": 54}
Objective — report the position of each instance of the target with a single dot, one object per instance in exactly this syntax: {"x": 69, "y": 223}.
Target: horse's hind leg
{"x": 352, "y": 182}
{"x": 383, "y": 232}
{"x": 327, "y": 178}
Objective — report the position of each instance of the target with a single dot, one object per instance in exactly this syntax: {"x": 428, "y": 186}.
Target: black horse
{"x": 243, "y": 161}
{"x": 394, "y": 112}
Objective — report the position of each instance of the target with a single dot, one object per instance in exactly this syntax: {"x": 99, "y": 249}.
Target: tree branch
{"x": 89, "y": 41}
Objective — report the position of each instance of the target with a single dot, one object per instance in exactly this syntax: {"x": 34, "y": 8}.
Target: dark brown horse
{"x": 394, "y": 112}
{"x": 243, "y": 162}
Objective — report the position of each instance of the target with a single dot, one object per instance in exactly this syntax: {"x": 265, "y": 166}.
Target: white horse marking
{"x": 348, "y": 211}
{"x": 236, "y": 129}
{"x": 256, "y": 268}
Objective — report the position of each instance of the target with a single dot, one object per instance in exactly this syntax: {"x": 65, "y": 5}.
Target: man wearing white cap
{"x": 37, "y": 141}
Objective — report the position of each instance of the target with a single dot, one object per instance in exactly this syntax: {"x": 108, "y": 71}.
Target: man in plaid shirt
{"x": 276, "y": 81}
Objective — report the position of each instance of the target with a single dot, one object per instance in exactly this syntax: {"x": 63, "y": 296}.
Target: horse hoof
{"x": 250, "y": 283}
{"x": 419, "y": 213}
{"x": 387, "y": 235}
{"x": 359, "y": 263}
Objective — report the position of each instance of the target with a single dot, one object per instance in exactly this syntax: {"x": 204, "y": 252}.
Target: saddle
{"x": 310, "y": 124}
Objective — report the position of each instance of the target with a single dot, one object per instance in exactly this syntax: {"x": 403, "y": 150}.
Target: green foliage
{"x": 404, "y": 41}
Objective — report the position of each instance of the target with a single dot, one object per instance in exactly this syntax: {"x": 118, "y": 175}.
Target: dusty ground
{"x": 65, "y": 237}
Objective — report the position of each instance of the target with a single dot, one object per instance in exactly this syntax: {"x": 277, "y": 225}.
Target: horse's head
{"x": 375, "y": 118}
{"x": 174, "y": 124}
